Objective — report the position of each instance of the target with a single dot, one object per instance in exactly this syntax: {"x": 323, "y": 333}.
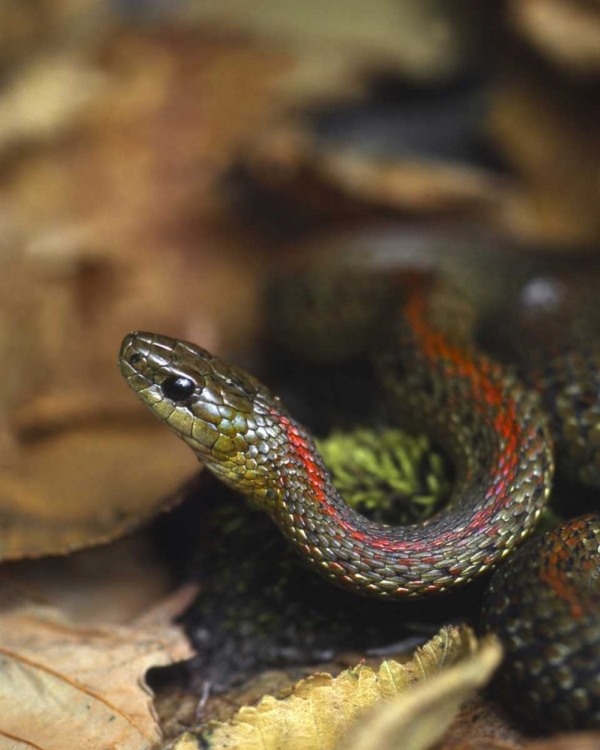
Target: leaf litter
{"x": 322, "y": 711}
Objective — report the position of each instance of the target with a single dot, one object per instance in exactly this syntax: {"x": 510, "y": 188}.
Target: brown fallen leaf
{"x": 46, "y": 99}
{"x": 64, "y": 685}
{"x": 321, "y": 709}
{"x": 419, "y": 185}
{"x": 115, "y": 602}
{"x": 567, "y": 31}
{"x": 114, "y": 583}
{"x": 427, "y": 41}
{"x": 288, "y": 156}
{"x": 63, "y": 494}
{"x": 21, "y": 29}
{"x": 113, "y": 220}
{"x": 548, "y": 131}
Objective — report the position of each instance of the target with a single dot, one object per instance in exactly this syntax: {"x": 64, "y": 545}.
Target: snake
{"x": 499, "y": 435}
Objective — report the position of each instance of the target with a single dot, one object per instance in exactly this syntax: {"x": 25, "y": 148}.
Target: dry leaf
{"x": 85, "y": 486}
{"x": 21, "y": 29}
{"x": 411, "y": 185}
{"x": 415, "y": 720}
{"x": 46, "y": 99}
{"x": 426, "y": 41}
{"x": 567, "y": 31}
{"x": 187, "y": 741}
{"x": 343, "y": 181}
{"x": 65, "y": 685}
{"x": 111, "y": 232}
{"x": 115, "y": 621}
{"x": 114, "y": 583}
{"x": 549, "y": 133}
{"x": 321, "y": 708}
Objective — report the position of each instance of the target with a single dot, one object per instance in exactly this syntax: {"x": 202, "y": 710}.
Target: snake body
{"x": 494, "y": 428}
{"x": 545, "y": 606}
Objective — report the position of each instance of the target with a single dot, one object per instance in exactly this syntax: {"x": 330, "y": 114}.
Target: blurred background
{"x": 158, "y": 160}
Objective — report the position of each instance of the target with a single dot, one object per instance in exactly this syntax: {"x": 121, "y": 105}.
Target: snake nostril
{"x": 135, "y": 359}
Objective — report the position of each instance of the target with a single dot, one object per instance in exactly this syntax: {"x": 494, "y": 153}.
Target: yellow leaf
{"x": 417, "y": 719}
{"x": 319, "y": 713}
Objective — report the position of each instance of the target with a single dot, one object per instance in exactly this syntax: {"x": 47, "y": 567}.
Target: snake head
{"x": 217, "y": 409}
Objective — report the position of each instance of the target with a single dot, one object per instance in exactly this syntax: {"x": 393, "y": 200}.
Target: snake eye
{"x": 177, "y": 388}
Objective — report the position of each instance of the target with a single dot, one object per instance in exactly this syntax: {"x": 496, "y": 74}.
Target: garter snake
{"x": 495, "y": 429}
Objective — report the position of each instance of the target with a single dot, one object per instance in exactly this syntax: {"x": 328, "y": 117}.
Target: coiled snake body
{"x": 494, "y": 428}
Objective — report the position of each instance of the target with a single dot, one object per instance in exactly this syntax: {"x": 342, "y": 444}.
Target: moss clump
{"x": 387, "y": 474}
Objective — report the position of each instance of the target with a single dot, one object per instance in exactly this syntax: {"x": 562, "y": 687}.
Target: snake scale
{"x": 497, "y": 431}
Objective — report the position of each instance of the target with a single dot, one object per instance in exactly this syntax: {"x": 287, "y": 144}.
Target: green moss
{"x": 387, "y": 474}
